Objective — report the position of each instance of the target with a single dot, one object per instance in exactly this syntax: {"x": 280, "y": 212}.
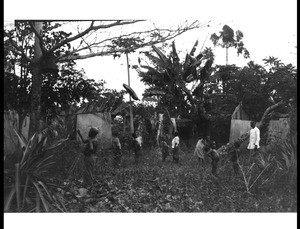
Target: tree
{"x": 169, "y": 80}
{"x": 257, "y": 87}
{"x": 52, "y": 45}
{"x": 228, "y": 39}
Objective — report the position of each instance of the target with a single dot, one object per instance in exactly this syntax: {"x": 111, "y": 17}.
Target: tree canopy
{"x": 34, "y": 49}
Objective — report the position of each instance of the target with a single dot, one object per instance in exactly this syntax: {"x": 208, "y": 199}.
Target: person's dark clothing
{"x": 213, "y": 154}
{"x": 176, "y": 154}
{"x": 89, "y": 163}
{"x": 90, "y": 148}
{"x": 116, "y": 151}
{"x": 89, "y": 160}
{"x": 234, "y": 155}
{"x": 165, "y": 151}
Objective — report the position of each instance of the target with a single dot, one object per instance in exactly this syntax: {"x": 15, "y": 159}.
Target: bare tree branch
{"x": 89, "y": 29}
{"x": 172, "y": 34}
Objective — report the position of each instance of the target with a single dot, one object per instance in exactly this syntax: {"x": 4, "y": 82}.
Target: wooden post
{"x": 130, "y": 106}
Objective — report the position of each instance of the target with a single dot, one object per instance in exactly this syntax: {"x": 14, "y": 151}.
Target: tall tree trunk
{"x": 35, "y": 105}
{"x": 226, "y": 55}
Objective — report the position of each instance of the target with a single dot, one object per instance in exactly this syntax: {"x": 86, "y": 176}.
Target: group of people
{"x": 205, "y": 148}
{"x": 90, "y": 150}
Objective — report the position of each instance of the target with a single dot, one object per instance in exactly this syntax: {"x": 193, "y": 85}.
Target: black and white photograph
{"x": 146, "y": 114}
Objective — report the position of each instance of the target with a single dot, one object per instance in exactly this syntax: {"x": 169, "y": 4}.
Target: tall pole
{"x": 226, "y": 55}
{"x": 130, "y": 106}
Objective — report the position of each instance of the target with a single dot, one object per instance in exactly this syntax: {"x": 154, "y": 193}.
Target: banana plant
{"x": 168, "y": 78}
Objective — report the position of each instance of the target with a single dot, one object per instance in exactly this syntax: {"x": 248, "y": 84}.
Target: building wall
{"x": 10, "y": 137}
{"x": 276, "y": 129}
{"x": 102, "y": 121}
{"x": 237, "y": 128}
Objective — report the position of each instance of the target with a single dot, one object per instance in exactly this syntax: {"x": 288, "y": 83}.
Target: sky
{"x": 270, "y": 29}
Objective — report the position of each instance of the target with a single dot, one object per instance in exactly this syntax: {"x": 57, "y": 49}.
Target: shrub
{"x": 26, "y": 181}
{"x": 287, "y": 156}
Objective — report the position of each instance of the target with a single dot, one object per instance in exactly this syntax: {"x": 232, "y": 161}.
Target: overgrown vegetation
{"x": 153, "y": 186}
{"x": 45, "y": 173}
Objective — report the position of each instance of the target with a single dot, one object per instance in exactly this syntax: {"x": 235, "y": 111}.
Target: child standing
{"x": 213, "y": 154}
{"x": 175, "y": 145}
{"x": 199, "y": 151}
{"x": 89, "y": 154}
{"x": 116, "y": 145}
{"x": 136, "y": 146}
{"x": 234, "y": 155}
{"x": 164, "y": 148}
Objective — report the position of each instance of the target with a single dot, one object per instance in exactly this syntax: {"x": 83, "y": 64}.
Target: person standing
{"x": 164, "y": 148}
{"x": 136, "y": 146}
{"x": 215, "y": 157}
{"x": 199, "y": 151}
{"x": 234, "y": 156}
{"x": 207, "y": 147}
{"x": 116, "y": 145}
{"x": 254, "y": 138}
{"x": 89, "y": 155}
{"x": 175, "y": 148}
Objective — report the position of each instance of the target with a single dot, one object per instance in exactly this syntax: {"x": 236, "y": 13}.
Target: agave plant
{"x": 262, "y": 171}
{"x": 28, "y": 186}
{"x": 288, "y": 155}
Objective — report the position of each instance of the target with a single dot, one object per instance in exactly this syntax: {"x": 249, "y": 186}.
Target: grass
{"x": 154, "y": 186}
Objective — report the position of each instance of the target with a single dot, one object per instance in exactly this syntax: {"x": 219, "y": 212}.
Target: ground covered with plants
{"x": 154, "y": 186}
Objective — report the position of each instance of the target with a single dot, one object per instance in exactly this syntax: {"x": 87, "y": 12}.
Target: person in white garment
{"x": 199, "y": 151}
{"x": 175, "y": 145}
{"x": 254, "y": 139}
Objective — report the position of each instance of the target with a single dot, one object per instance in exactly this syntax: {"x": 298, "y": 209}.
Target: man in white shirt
{"x": 254, "y": 138}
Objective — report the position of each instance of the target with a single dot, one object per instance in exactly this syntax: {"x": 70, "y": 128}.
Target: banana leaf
{"x": 156, "y": 60}
{"x": 161, "y": 55}
{"x": 205, "y": 70}
{"x": 130, "y": 91}
{"x": 194, "y": 48}
{"x": 174, "y": 53}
